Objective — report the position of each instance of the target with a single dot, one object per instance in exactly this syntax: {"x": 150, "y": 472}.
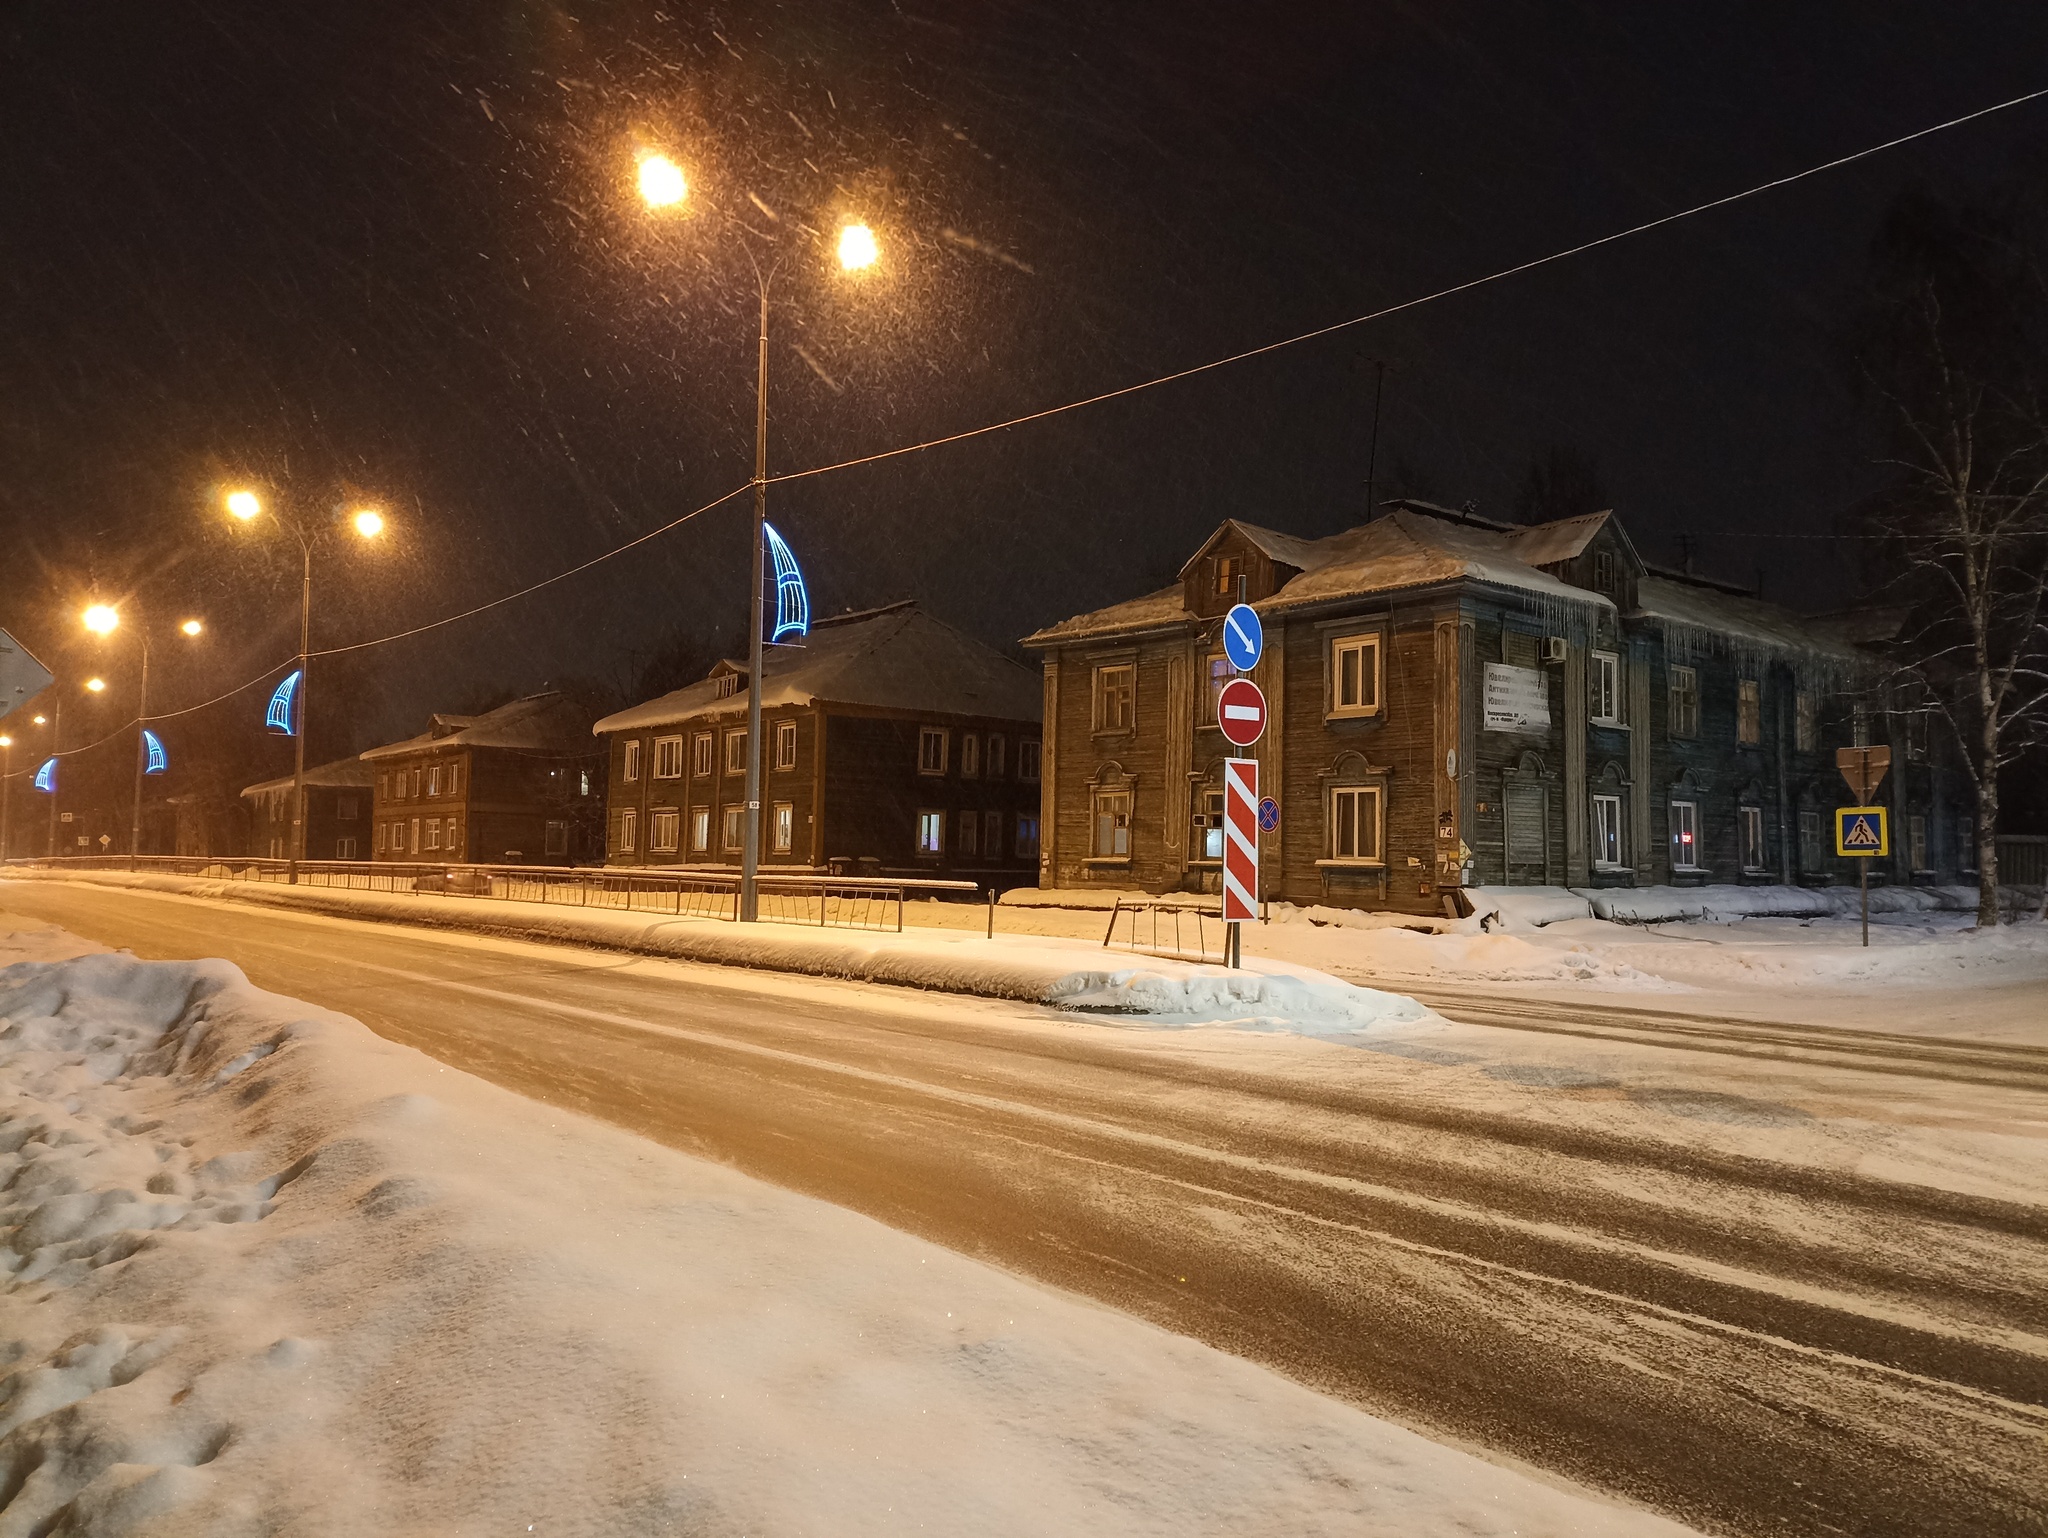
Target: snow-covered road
{"x": 1764, "y": 1290}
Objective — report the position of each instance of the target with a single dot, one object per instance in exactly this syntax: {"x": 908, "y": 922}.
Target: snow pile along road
{"x": 263, "y": 1271}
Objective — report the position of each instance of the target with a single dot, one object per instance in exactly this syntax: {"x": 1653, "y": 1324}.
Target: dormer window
{"x": 1229, "y": 571}
{"x": 728, "y": 685}
{"x": 1603, "y": 572}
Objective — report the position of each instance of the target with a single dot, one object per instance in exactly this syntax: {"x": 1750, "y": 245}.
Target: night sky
{"x": 391, "y": 252}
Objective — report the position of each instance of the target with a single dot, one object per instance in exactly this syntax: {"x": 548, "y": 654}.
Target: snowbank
{"x": 1266, "y": 994}
{"x": 266, "y": 1272}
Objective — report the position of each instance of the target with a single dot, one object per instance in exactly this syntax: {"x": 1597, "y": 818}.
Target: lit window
{"x": 1028, "y": 757}
{"x": 1116, "y": 697}
{"x": 785, "y": 744}
{"x": 1749, "y": 713}
{"x": 630, "y": 769}
{"x": 1604, "y": 681}
{"x": 700, "y": 829}
{"x": 434, "y": 780}
{"x": 668, "y": 758}
{"x": 1752, "y": 821}
{"x": 1607, "y": 845}
{"x": 931, "y": 833}
{"x": 1220, "y": 672}
{"x": 700, "y": 755}
{"x": 1209, "y": 826}
{"x": 995, "y": 755}
{"x": 736, "y": 751}
{"x": 782, "y": 828}
{"x": 1112, "y": 823}
{"x": 970, "y": 834}
{"x": 629, "y": 827}
{"x": 970, "y": 756}
{"x": 1355, "y": 823}
{"x": 735, "y": 827}
{"x": 664, "y": 827}
{"x": 931, "y": 750}
{"x": 1683, "y": 692}
{"x": 1228, "y": 569}
{"x": 1685, "y": 835}
{"x": 1355, "y": 675}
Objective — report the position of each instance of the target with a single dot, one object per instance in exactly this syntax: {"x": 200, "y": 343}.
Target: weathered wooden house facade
{"x": 1457, "y": 702}
{"x": 522, "y": 784}
{"x": 337, "y": 814}
{"x": 891, "y": 744}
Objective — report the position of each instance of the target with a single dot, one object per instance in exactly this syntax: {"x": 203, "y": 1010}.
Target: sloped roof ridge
{"x": 854, "y": 616}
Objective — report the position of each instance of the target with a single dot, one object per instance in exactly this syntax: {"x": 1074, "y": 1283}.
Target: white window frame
{"x": 1609, "y": 833}
{"x": 1359, "y": 798}
{"x": 736, "y": 750}
{"x": 451, "y": 834}
{"x": 1749, "y": 827}
{"x": 664, "y": 830}
{"x": 1685, "y": 850}
{"x": 734, "y": 827}
{"x": 434, "y": 780}
{"x": 970, "y": 756}
{"x": 1109, "y": 824}
{"x": 1209, "y": 825}
{"x": 1604, "y": 680}
{"x": 931, "y": 832}
{"x": 785, "y": 744}
{"x": 1682, "y": 684}
{"x": 700, "y": 830}
{"x": 782, "y": 828}
{"x": 629, "y": 763}
{"x": 377, "y": 841}
{"x": 1365, "y": 646}
{"x": 345, "y": 848}
{"x": 668, "y": 758}
{"x": 1124, "y": 692}
{"x": 701, "y": 757}
{"x": 932, "y": 745}
{"x": 629, "y": 829}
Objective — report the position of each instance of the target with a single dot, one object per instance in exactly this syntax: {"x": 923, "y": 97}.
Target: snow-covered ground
{"x": 265, "y": 1271}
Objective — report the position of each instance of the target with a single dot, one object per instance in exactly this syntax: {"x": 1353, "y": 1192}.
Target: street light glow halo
{"x": 662, "y": 183}
{"x": 95, "y": 684}
{"x": 244, "y": 504}
{"x": 857, "y": 248}
{"x": 101, "y": 618}
{"x": 192, "y": 627}
{"x": 368, "y": 522}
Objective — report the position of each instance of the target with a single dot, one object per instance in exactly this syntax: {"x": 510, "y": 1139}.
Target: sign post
{"x": 1241, "y": 715}
{"x": 1862, "y": 832}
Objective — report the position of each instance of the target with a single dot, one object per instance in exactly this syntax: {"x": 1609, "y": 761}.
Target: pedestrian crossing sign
{"x": 1862, "y": 832}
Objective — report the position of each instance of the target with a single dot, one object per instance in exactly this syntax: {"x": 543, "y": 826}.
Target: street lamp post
{"x": 368, "y": 524}
{"x": 6, "y": 790}
{"x": 102, "y": 620}
{"x": 663, "y": 185}
{"x": 56, "y": 779}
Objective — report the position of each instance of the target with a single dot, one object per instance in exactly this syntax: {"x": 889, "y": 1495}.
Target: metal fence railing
{"x": 1177, "y": 931}
{"x": 840, "y": 902}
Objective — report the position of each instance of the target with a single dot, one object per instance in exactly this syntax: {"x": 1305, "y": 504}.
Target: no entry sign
{"x": 1241, "y": 712}
{"x": 1240, "y": 840}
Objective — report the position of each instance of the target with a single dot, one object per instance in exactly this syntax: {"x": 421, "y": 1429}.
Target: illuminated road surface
{"x": 1754, "y": 1345}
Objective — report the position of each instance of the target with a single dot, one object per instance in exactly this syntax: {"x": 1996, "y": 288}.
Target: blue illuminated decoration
{"x": 279, "y": 717}
{"x": 792, "y": 602}
{"x": 46, "y": 777}
{"x": 153, "y": 747}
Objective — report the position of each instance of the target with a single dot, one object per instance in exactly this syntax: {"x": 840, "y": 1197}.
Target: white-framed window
{"x": 434, "y": 780}
{"x": 1806, "y": 721}
{"x": 1685, "y": 835}
{"x": 1355, "y": 675}
{"x": 1112, "y": 824}
{"x": 931, "y": 749}
{"x": 996, "y": 765}
{"x": 1608, "y": 849}
{"x": 451, "y": 835}
{"x": 433, "y": 833}
{"x": 668, "y": 758}
{"x": 1209, "y": 825}
{"x": 992, "y": 835}
{"x": 1216, "y": 674}
{"x": 931, "y": 833}
{"x": 1027, "y": 835}
{"x": 454, "y": 776}
{"x": 969, "y": 840}
{"x": 782, "y": 828}
{"x": 1751, "y": 821}
{"x": 785, "y": 744}
{"x": 1029, "y": 757}
{"x": 735, "y": 827}
{"x": 664, "y": 830}
{"x": 736, "y": 750}
{"x": 1603, "y": 679}
{"x": 1355, "y": 824}
{"x": 377, "y": 846}
{"x": 1116, "y": 697}
{"x": 1749, "y": 713}
{"x": 700, "y": 755}
{"x": 555, "y": 837}
{"x": 1603, "y": 572}
{"x": 1682, "y": 692}
{"x": 970, "y": 756}
{"x": 700, "y": 829}
{"x": 629, "y": 764}
{"x": 344, "y": 849}
{"x": 629, "y": 829}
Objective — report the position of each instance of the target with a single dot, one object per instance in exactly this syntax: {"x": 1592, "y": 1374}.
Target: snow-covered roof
{"x": 893, "y": 658}
{"x": 1710, "y": 618}
{"x": 1562, "y": 539}
{"x": 540, "y": 723}
{"x": 1407, "y": 548}
{"x": 343, "y": 772}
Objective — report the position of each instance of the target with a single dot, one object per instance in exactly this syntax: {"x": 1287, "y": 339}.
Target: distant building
{"x": 1453, "y": 701}
{"x": 522, "y": 784}
{"x": 892, "y": 743}
{"x": 337, "y": 815}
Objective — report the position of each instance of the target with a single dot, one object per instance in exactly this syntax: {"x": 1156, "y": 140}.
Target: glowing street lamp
{"x": 663, "y": 186}
{"x": 96, "y": 685}
{"x": 191, "y": 627}
{"x": 101, "y": 619}
{"x": 368, "y": 524}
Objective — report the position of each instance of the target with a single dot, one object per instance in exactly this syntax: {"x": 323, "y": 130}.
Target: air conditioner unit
{"x": 1553, "y": 648}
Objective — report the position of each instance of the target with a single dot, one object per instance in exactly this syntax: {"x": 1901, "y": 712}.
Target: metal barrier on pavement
{"x": 1194, "y": 934}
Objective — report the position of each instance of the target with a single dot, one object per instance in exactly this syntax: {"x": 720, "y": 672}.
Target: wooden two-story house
{"x": 522, "y": 784}
{"x": 337, "y": 813}
{"x": 1458, "y": 702}
{"x": 891, "y": 744}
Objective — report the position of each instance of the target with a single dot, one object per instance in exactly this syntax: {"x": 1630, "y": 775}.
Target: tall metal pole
{"x": 1372, "y": 458}
{"x": 56, "y": 774}
{"x": 298, "y": 840}
{"x": 141, "y": 759}
{"x": 750, "y": 836}
{"x": 6, "y": 797}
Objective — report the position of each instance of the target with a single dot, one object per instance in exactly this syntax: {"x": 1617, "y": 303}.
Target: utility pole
{"x": 56, "y": 769}
{"x": 1372, "y": 458}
